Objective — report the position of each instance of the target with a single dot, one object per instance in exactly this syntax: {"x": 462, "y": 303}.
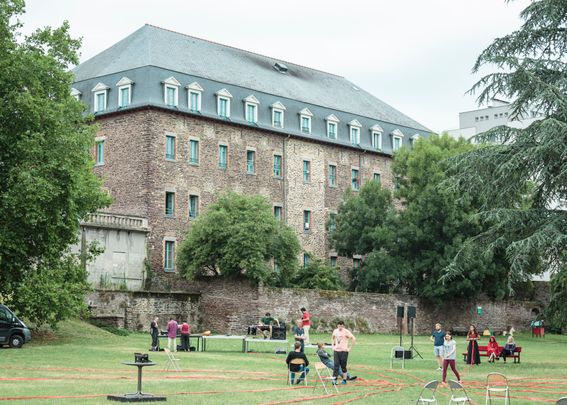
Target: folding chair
{"x": 303, "y": 371}
{"x": 172, "y": 362}
{"x": 562, "y": 401}
{"x": 324, "y": 374}
{"x": 431, "y": 386}
{"x": 458, "y": 393}
{"x": 397, "y": 353}
{"x": 497, "y": 383}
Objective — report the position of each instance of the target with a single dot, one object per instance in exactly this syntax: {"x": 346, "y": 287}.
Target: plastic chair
{"x": 172, "y": 361}
{"x": 431, "y": 387}
{"x": 458, "y": 393}
{"x": 324, "y": 374}
{"x": 497, "y": 383}
{"x": 562, "y": 401}
{"x": 302, "y": 372}
{"x": 400, "y": 356}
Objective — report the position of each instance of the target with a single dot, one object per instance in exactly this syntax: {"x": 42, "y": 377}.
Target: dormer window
{"x": 397, "y": 137}
{"x": 100, "y": 93}
{"x": 414, "y": 139}
{"x": 354, "y": 128}
{"x": 171, "y": 92}
{"x": 376, "y": 136}
{"x": 223, "y": 103}
{"x": 124, "y": 92}
{"x": 76, "y": 94}
{"x": 251, "y": 109}
{"x": 278, "y": 115}
{"x": 194, "y": 94}
{"x": 332, "y": 126}
{"x": 305, "y": 120}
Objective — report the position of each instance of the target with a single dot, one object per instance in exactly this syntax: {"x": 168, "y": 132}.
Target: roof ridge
{"x": 242, "y": 50}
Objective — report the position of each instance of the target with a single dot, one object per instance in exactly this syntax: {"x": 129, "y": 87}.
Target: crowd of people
{"x": 173, "y": 329}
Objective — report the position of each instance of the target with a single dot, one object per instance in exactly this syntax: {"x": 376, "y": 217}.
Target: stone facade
{"x": 230, "y": 306}
{"x": 137, "y": 174}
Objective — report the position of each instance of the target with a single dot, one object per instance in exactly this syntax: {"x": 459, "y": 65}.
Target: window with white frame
{"x": 99, "y": 151}
{"x": 332, "y": 126}
{"x": 193, "y": 206}
{"x": 170, "y": 147}
{"x": 332, "y": 175}
{"x": 397, "y": 137}
{"x": 223, "y": 103}
{"x": 278, "y": 115}
{"x": 376, "y": 136}
{"x": 194, "y": 151}
{"x": 278, "y": 166}
{"x": 305, "y": 120}
{"x": 250, "y": 161}
{"x": 355, "y": 180}
{"x": 76, "y": 94}
{"x": 100, "y": 92}
{"x": 169, "y": 256}
{"x": 306, "y": 220}
{"x": 223, "y": 156}
{"x": 251, "y": 109}
{"x": 194, "y": 94}
{"x": 171, "y": 92}
{"x": 306, "y": 171}
{"x": 124, "y": 92}
{"x": 169, "y": 203}
{"x": 354, "y": 129}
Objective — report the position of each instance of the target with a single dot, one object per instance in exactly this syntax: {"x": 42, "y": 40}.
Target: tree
{"x": 46, "y": 181}
{"x": 238, "y": 236}
{"x": 318, "y": 275}
{"x": 531, "y": 70}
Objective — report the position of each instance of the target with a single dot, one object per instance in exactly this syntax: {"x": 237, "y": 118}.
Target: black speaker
{"x": 407, "y": 354}
{"x": 411, "y": 312}
{"x": 400, "y": 312}
{"x": 278, "y": 332}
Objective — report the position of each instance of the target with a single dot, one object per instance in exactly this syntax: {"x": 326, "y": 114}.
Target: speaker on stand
{"x": 400, "y": 317}
{"x": 412, "y": 314}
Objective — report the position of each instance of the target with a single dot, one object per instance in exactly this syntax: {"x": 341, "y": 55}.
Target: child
{"x": 492, "y": 349}
{"x": 326, "y": 360}
{"x": 449, "y": 356}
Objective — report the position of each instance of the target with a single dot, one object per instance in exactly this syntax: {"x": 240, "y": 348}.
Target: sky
{"x": 415, "y": 55}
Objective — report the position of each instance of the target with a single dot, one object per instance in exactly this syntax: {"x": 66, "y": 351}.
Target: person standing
{"x": 306, "y": 319}
{"x": 326, "y": 360}
{"x": 299, "y": 334}
{"x": 341, "y": 348}
{"x": 154, "y": 332}
{"x": 172, "y": 328}
{"x": 185, "y": 331}
{"x": 449, "y": 356}
{"x": 437, "y": 338}
{"x": 473, "y": 355}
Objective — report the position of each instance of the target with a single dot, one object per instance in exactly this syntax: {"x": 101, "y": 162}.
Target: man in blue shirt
{"x": 437, "y": 337}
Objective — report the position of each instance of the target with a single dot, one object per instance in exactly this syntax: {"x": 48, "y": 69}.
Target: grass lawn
{"x": 81, "y": 364}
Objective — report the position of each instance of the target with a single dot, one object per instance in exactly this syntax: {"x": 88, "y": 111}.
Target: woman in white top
{"x": 449, "y": 356}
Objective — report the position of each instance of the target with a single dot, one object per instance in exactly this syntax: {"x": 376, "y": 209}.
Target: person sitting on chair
{"x": 326, "y": 360}
{"x": 265, "y": 325}
{"x": 492, "y": 349}
{"x": 296, "y": 368}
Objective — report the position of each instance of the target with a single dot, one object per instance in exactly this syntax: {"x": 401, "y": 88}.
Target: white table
{"x": 283, "y": 343}
{"x": 223, "y": 337}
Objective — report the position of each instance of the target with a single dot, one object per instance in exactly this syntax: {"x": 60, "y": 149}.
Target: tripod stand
{"x": 412, "y": 348}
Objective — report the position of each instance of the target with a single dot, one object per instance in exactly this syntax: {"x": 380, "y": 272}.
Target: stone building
{"x": 182, "y": 119}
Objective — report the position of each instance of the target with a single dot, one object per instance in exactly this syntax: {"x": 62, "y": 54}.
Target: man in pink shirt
{"x": 306, "y": 319}
{"x": 172, "y": 335}
{"x": 341, "y": 338}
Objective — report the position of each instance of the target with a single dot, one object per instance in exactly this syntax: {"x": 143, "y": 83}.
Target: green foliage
{"x": 531, "y": 70}
{"x": 555, "y": 313}
{"x": 318, "y": 275}
{"x": 46, "y": 179}
{"x": 238, "y": 236}
{"x": 115, "y": 330}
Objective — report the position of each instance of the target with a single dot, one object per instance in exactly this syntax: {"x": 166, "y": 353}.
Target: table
{"x": 191, "y": 336}
{"x": 138, "y": 396}
{"x": 248, "y": 340}
{"x": 224, "y": 337}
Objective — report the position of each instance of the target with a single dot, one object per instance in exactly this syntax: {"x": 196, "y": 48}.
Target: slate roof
{"x": 154, "y": 46}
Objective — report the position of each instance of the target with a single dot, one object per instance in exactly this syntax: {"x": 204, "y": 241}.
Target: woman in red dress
{"x": 473, "y": 356}
{"x": 492, "y": 349}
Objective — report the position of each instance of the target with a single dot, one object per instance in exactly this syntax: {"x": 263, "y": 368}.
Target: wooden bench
{"x": 482, "y": 352}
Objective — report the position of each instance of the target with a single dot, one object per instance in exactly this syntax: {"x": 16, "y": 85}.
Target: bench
{"x": 482, "y": 353}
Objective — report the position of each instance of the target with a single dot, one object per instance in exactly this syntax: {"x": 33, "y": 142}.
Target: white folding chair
{"x": 172, "y": 361}
{"x": 497, "y": 383}
{"x": 562, "y": 401}
{"x": 397, "y": 353}
{"x": 297, "y": 362}
{"x": 324, "y": 374}
{"x": 458, "y": 393}
{"x": 430, "y": 388}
